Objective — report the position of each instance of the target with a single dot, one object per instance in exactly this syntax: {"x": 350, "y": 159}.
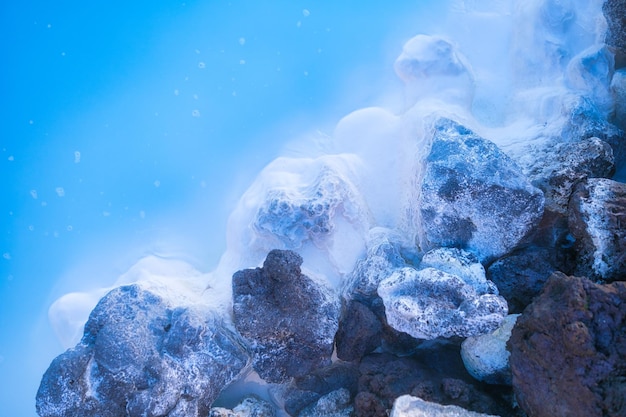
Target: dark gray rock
{"x": 306, "y": 391}
{"x": 359, "y": 332}
{"x": 289, "y": 319}
{"x": 557, "y": 171}
{"x": 337, "y": 403}
{"x": 597, "y": 219}
{"x": 568, "y": 348}
{"x": 139, "y": 357}
{"x": 520, "y": 277}
{"x": 473, "y": 196}
{"x": 615, "y": 13}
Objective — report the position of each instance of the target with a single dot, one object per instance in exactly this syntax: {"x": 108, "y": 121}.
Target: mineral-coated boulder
{"x": 473, "y": 196}
{"x": 568, "y": 348}
{"x": 409, "y": 406}
{"x": 557, "y": 171}
{"x": 430, "y": 303}
{"x": 597, "y": 219}
{"x": 485, "y": 357}
{"x": 139, "y": 357}
{"x": 288, "y": 318}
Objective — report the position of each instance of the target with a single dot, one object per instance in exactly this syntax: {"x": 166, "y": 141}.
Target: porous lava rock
{"x": 430, "y": 302}
{"x": 140, "y": 357}
{"x": 288, "y": 318}
{"x": 568, "y": 349}
{"x": 473, "y": 196}
{"x": 597, "y": 219}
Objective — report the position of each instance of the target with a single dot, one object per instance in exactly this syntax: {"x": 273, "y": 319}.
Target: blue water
{"x": 131, "y": 128}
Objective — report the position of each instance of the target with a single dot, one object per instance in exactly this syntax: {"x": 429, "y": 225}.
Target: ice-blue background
{"x": 132, "y": 127}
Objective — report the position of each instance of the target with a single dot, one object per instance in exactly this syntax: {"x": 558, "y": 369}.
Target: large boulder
{"x": 473, "y": 196}
{"x": 334, "y": 404}
{"x": 139, "y": 356}
{"x": 431, "y": 303}
{"x": 568, "y": 349}
{"x": 251, "y": 406}
{"x": 288, "y": 318}
{"x": 410, "y": 406}
{"x": 597, "y": 219}
{"x": 485, "y": 357}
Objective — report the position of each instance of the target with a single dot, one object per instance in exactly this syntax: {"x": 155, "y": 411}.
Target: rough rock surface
{"x": 615, "y": 13}
{"x": 568, "y": 350}
{"x": 306, "y": 391}
{"x": 434, "y": 373}
{"x": 334, "y": 404}
{"x": 289, "y": 319}
{"x": 430, "y": 303}
{"x": 563, "y": 166}
{"x": 473, "y": 196}
{"x": 409, "y": 406}
{"x": 485, "y": 357}
{"x": 520, "y": 276}
{"x": 250, "y": 407}
{"x": 139, "y": 357}
{"x": 597, "y": 219}
{"x": 386, "y": 252}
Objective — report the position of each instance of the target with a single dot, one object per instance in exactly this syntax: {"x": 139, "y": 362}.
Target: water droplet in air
{"x": 69, "y": 228}
{"x": 33, "y": 193}
{"x": 242, "y": 41}
{"x": 60, "y": 191}
{"x": 306, "y": 12}
{"x": 6, "y": 255}
{"x": 195, "y": 113}
{"x": 76, "y": 157}
{"x": 11, "y": 158}
{"x": 201, "y": 65}
{"x": 157, "y": 183}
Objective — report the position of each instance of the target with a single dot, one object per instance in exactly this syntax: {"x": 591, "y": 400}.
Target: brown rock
{"x": 568, "y": 350}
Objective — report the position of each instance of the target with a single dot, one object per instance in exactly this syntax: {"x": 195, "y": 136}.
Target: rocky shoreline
{"x": 504, "y": 294}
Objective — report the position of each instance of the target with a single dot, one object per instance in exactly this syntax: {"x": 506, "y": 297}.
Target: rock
{"x": 289, "y": 319}
{"x": 430, "y": 303}
{"x": 251, "y": 406}
{"x": 462, "y": 264}
{"x": 409, "y": 406}
{"x": 563, "y": 166}
{"x": 485, "y": 357}
{"x": 138, "y": 357}
{"x": 597, "y": 219}
{"x": 359, "y": 332}
{"x": 473, "y": 196}
{"x": 520, "y": 276}
{"x": 615, "y": 13}
{"x": 386, "y": 252}
{"x": 334, "y": 404}
{"x": 434, "y": 372}
{"x": 306, "y": 391}
{"x": 568, "y": 348}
